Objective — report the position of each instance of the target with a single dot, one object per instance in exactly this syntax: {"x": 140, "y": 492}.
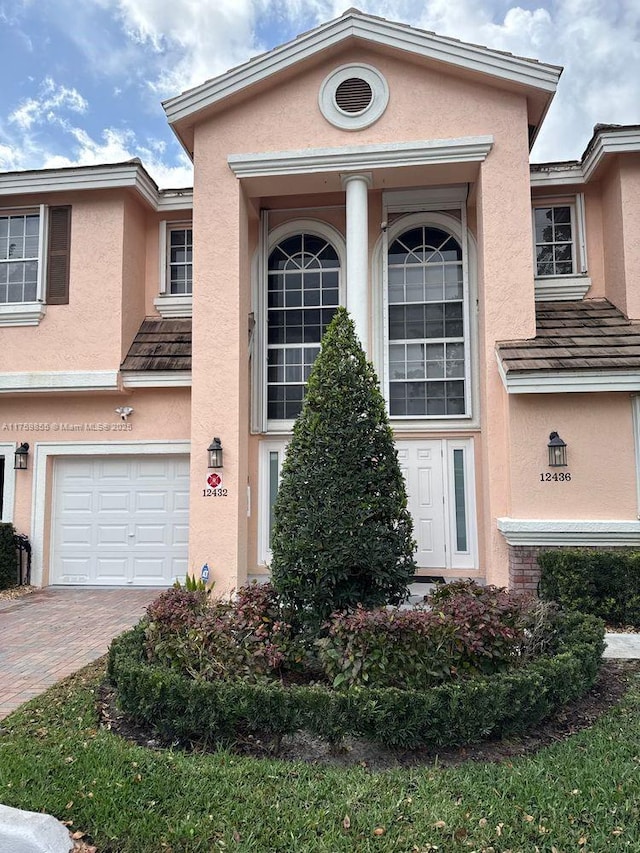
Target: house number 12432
{"x": 558, "y": 477}
{"x": 215, "y": 493}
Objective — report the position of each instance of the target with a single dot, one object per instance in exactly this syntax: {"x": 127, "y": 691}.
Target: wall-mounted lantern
{"x": 215, "y": 453}
{"x": 557, "y": 451}
{"x": 21, "y": 457}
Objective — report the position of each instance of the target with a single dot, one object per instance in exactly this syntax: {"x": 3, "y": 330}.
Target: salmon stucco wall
{"x": 630, "y": 201}
{"x": 613, "y": 240}
{"x": 598, "y": 431}
{"x": 506, "y": 311}
{"x": 160, "y": 415}
{"x": 133, "y": 272}
{"x": 86, "y": 333}
{"x": 220, "y": 391}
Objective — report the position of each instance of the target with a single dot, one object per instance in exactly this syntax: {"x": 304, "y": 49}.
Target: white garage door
{"x": 120, "y": 520}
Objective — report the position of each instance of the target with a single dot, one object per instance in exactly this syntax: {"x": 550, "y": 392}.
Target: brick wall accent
{"x": 524, "y": 571}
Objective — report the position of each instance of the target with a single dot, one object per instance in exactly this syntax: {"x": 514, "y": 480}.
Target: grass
{"x": 581, "y": 794}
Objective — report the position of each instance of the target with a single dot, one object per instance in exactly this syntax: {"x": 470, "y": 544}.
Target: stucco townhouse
{"x": 154, "y": 344}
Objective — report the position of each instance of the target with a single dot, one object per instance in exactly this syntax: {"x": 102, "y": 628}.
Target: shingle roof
{"x": 588, "y": 335}
{"x": 160, "y": 345}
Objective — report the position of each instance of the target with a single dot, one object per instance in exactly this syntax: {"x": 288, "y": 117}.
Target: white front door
{"x": 421, "y": 465}
{"x": 120, "y": 520}
{"x": 440, "y": 496}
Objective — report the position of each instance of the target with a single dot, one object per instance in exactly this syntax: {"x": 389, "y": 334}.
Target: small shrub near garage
{"x": 603, "y": 583}
{"x": 8, "y": 558}
{"x": 278, "y": 688}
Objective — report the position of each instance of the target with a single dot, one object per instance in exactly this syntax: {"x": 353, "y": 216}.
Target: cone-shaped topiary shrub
{"x": 342, "y": 533}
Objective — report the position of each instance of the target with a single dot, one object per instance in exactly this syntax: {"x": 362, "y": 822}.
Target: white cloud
{"x": 164, "y": 47}
{"x": 30, "y": 147}
{"x": 51, "y": 99}
{"x": 187, "y": 41}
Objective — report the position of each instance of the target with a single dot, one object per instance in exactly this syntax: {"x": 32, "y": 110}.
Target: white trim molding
{"x": 156, "y": 379}
{"x": 43, "y": 451}
{"x": 615, "y": 141}
{"x": 377, "y": 31}
{"x": 171, "y": 306}
{"x": 620, "y": 140}
{"x": 59, "y": 380}
{"x": 22, "y": 313}
{"x": 569, "y": 288}
{"x": 7, "y": 449}
{"x": 81, "y": 178}
{"x": 557, "y": 174}
{"x": 175, "y": 200}
{"x": 528, "y": 531}
{"x": 635, "y": 415}
{"x": 568, "y": 381}
{"x": 109, "y": 176}
{"x": 307, "y": 161}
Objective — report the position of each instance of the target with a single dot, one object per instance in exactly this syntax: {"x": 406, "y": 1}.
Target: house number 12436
{"x": 558, "y": 477}
{"x": 215, "y": 493}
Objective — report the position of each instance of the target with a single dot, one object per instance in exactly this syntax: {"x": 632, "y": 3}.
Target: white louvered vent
{"x": 354, "y": 95}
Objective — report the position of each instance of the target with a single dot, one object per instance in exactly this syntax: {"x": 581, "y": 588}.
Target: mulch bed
{"x": 611, "y": 685}
{"x": 16, "y": 592}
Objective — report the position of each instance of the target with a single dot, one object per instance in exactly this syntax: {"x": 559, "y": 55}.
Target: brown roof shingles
{"x": 588, "y": 335}
{"x": 160, "y": 345}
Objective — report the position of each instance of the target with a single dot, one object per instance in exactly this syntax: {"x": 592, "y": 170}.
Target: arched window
{"x": 303, "y": 287}
{"x": 426, "y": 332}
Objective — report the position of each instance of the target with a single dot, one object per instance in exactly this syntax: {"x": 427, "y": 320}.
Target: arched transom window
{"x": 426, "y": 324}
{"x": 303, "y": 294}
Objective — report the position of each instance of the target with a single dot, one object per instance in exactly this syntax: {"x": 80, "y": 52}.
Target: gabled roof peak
{"x": 503, "y": 68}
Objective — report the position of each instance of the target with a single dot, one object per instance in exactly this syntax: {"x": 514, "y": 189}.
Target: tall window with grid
{"x": 19, "y": 246}
{"x": 554, "y": 239}
{"x": 302, "y": 297}
{"x": 180, "y": 261}
{"x": 426, "y": 325}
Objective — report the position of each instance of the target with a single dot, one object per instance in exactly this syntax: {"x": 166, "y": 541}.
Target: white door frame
{"x": 7, "y": 449}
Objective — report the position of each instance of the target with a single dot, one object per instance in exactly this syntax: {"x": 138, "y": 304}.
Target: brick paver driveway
{"x": 48, "y": 635}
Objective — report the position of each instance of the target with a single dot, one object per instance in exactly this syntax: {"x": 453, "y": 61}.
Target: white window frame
{"x": 437, "y": 210}
{"x": 7, "y": 451}
{"x": 258, "y": 345}
{"x": 29, "y": 313}
{"x": 575, "y": 285}
{"x": 265, "y": 554}
{"x": 168, "y": 304}
{"x": 467, "y": 559}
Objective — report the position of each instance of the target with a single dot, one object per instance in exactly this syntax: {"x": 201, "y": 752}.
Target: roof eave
{"x": 500, "y": 66}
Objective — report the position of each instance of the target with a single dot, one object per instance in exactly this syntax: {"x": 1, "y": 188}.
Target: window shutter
{"x": 58, "y": 255}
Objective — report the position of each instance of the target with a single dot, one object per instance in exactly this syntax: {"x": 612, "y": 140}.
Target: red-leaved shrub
{"x": 467, "y": 630}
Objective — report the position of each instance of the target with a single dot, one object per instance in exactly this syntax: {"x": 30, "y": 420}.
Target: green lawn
{"x": 582, "y": 794}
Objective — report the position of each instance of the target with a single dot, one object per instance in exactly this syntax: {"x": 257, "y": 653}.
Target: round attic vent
{"x": 353, "y": 96}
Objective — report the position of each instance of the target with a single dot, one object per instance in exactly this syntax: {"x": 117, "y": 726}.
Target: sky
{"x": 83, "y": 80}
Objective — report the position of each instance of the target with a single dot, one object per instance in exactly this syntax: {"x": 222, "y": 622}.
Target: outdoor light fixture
{"x": 557, "y": 451}
{"x": 215, "y": 453}
{"x": 20, "y": 457}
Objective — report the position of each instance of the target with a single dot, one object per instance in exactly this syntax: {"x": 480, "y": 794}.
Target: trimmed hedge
{"x": 603, "y": 583}
{"x": 8, "y": 558}
{"x": 451, "y": 714}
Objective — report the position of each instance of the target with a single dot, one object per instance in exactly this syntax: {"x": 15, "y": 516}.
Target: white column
{"x": 357, "y": 187}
